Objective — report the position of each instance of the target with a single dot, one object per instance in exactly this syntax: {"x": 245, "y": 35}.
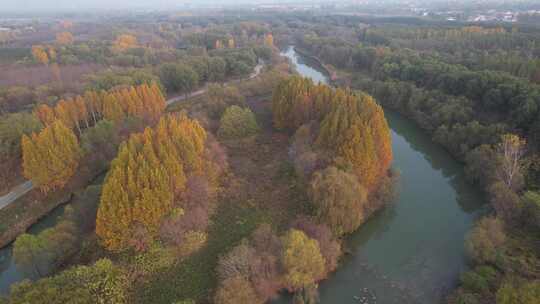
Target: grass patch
{"x": 195, "y": 278}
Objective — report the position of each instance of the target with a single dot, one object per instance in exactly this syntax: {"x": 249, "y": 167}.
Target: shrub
{"x": 193, "y": 241}
{"x": 474, "y": 282}
{"x": 236, "y": 290}
{"x": 485, "y": 243}
{"x": 237, "y": 122}
{"x": 467, "y": 298}
{"x": 531, "y": 209}
{"x": 221, "y": 97}
{"x": 236, "y": 263}
{"x": 512, "y": 293}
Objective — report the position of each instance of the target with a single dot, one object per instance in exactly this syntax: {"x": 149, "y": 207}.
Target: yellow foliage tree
{"x": 353, "y": 129}
{"x": 51, "y": 157}
{"x": 301, "y": 259}
{"x": 146, "y": 177}
{"x": 40, "y": 54}
{"x": 269, "y": 40}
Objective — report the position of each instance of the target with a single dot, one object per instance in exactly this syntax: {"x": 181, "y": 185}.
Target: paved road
{"x": 256, "y": 71}
{"x": 23, "y": 188}
{"x": 17, "y": 192}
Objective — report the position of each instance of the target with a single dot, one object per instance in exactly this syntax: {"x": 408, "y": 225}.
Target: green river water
{"x": 413, "y": 251}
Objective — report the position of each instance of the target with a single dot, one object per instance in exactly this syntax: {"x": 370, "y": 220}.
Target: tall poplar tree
{"x": 51, "y": 157}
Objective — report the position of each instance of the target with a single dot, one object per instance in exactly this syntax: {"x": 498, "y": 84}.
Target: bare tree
{"x": 511, "y": 149}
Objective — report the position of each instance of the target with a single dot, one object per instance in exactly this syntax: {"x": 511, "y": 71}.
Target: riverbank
{"x": 29, "y": 209}
{"x": 327, "y": 69}
{"x": 412, "y": 251}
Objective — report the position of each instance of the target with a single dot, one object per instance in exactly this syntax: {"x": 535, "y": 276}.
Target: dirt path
{"x": 256, "y": 71}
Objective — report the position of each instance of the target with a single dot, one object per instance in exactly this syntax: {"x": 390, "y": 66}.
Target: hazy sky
{"x": 55, "y": 5}
{"x": 24, "y": 5}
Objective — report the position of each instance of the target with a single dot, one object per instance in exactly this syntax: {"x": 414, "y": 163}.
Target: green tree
{"x": 339, "y": 200}
{"x": 237, "y": 122}
{"x": 32, "y": 254}
{"x": 178, "y": 78}
{"x": 13, "y": 127}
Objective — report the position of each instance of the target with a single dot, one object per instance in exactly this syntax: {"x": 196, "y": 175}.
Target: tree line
{"x": 52, "y": 156}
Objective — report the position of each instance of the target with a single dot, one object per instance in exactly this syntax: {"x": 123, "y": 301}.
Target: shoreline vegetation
{"x": 437, "y": 96}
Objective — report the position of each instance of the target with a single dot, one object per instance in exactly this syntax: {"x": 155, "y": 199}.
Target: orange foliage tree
{"x": 40, "y": 54}
{"x": 124, "y": 42}
{"x": 64, "y": 38}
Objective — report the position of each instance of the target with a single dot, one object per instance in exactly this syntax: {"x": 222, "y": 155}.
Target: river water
{"x": 9, "y": 273}
{"x": 413, "y": 251}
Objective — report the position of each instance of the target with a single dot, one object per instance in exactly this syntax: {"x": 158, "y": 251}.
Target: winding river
{"x": 413, "y": 251}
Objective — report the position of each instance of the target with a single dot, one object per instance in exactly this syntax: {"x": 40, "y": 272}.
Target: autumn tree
{"x": 40, "y": 54}
{"x": 359, "y": 134}
{"x": 269, "y": 40}
{"x": 101, "y": 282}
{"x": 231, "y": 43}
{"x": 236, "y": 290}
{"x": 51, "y": 157}
{"x": 301, "y": 259}
{"x": 64, "y": 38}
{"x": 352, "y": 128}
{"x": 145, "y": 101}
{"x": 124, "y": 42}
{"x": 147, "y": 176}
